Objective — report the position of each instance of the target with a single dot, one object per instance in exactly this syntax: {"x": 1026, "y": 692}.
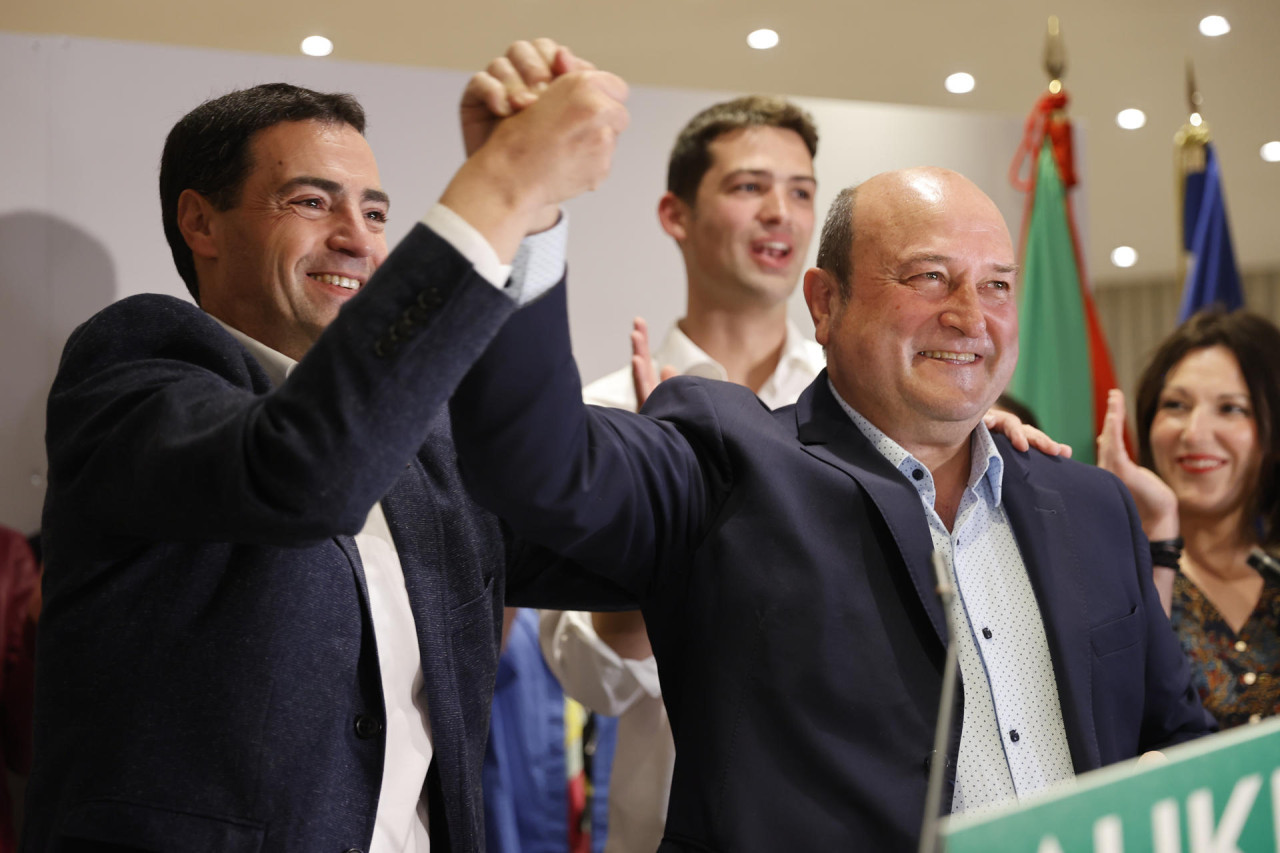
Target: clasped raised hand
{"x": 540, "y": 126}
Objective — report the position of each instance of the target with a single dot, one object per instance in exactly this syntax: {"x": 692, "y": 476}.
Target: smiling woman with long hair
{"x": 1207, "y": 494}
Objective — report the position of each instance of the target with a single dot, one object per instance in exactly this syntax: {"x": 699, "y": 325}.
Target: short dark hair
{"x": 208, "y": 149}
{"x": 691, "y": 155}
{"x": 1255, "y": 343}
{"x": 835, "y": 246}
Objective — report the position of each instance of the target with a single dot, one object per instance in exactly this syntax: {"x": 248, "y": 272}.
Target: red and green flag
{"x": 1064, "y": 368}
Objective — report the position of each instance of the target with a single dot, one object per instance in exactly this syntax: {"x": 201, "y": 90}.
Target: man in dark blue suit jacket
{"x": 784, "y": 557}
{"x": 271, "y": 612}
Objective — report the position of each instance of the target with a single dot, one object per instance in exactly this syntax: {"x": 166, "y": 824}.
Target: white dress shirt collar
{"x": 986, "y": 468}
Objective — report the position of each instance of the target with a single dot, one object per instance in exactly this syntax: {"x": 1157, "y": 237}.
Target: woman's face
{"x": 1204, "y": 438}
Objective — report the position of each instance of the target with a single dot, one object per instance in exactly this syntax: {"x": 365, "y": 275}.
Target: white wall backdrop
{"x": 85, "y": 120}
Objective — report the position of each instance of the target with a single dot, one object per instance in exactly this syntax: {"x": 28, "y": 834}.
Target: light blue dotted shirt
{"x": 1013, "y": 743}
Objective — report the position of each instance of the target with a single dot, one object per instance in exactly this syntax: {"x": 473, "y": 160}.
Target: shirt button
{"x": 917, "y": 474}
{"x": 986, "y": 633}
{"x": 1249, "y": 677}
{"x": 1014, "y": 736}
{"x": 1241, "y": 646}
{"x": 367, "y": 727}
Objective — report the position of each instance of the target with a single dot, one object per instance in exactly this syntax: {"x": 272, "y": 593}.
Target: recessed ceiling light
{"x": 1214, "y": 25}
{"x": 317, "y": 46}
{"x": 1124, "y": 256}
{"x": 1196, "y": 120}
{"x": 762, "y": 39}
{"x": 1271, "y": 152}
{"x": 1131, "y": 119}
{"x": 959, "y": 83}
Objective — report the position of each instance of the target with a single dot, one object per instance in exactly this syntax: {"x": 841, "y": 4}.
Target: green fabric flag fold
{"x": 1055, "y": 374}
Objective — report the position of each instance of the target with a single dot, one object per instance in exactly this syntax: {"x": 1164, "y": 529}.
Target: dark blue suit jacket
{"x": 784, "y": 566}
{"x": 208, "y": 678}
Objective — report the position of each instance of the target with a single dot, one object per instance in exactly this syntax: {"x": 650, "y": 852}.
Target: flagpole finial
{"x": 1055, "y": 55}
{"x": 1190, "y": 157}
{"x": 1194, "y": 99}
{"x": 1195, "y": 133}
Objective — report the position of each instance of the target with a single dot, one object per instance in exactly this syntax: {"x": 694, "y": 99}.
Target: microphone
{"x": 942, "y": 732}
{"x": 1262, "y": 562}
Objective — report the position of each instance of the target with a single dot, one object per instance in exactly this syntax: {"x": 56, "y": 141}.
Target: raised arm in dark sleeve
{"x": 160, "y": 421}
{"x": 624, "y": 495}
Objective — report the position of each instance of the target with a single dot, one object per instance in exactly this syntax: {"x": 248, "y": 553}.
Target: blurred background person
{"x": 19, "y": 609}
{"x": 1206, "y": 490}
{"x": 1011, "y": 404}
{"x": 544, "y": 792}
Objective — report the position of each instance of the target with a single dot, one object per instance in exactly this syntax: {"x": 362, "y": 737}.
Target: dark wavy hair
{"x": 1255, "y": 343}
{"x": 208, "y": 150}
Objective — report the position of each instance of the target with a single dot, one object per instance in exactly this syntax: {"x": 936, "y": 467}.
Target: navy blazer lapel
{"x": 348, "y": 546}
{"x": 414, "y": 526}
{"x": 413, "y": 523}
{"x": 827, "y": 434}
{"x": 1045, "y": 538}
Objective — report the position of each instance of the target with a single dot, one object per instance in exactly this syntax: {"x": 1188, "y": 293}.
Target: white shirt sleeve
{"x": 538, "y": 265}
{"x": 589, "y": 670}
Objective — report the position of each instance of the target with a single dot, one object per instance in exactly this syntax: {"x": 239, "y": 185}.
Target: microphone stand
{"x": 929, "y": 841}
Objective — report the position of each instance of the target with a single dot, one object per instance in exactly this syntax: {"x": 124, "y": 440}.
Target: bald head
{"x": 891, "y": 198}
{"x": 888, "y": 199}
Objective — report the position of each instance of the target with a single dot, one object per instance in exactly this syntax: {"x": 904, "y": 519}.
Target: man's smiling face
{"x": 928, "y": 337}
{"x": 304, "y": 236}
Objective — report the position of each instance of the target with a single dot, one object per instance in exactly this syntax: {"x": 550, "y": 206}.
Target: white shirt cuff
{"x": 458, "y": 233}
{"x": 539, "y": 262}
{"x": 589, "y": 670}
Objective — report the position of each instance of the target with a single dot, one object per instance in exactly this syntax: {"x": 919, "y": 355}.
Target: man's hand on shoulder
{"x": 1024, "y": 436}
{"x": 540, "y": 126}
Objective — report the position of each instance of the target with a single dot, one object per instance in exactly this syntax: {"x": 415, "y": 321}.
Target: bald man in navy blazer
{"x": 784, "y": 557}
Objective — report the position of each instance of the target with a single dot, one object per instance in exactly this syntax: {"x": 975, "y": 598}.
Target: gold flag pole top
{"x": 1188, "y": 159}
{"x": 1055, "y": 55}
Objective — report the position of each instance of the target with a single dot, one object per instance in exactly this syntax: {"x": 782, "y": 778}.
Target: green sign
{"x": 1219, "y": 794}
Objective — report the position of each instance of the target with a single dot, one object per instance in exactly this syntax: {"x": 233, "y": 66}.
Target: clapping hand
{"x": 643, "y": 377}
{"x": 1157, "y": 505}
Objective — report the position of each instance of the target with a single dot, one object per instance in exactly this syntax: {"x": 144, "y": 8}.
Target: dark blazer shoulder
{"x": 697, "y": 400}
{"x": 159, "y": 312}
{"x": 156, "y": 326}
{"x": 1058, "y": 472}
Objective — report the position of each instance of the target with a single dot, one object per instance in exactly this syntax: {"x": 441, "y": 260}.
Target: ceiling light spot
{"x": 1131, "y": 119}
{"x": 317, "y": 46}
{"x": 959, "y": 83}
{"x": 762, "y": 39}
{"x": 1196, "y": 120}
{"x": 1214, "y": 25}
{"x": 1124, "y": 256}
{"x": 1271, "y": 151}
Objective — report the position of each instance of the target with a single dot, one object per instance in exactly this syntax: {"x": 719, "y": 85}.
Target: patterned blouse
{"x": 1237, "y": 675}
